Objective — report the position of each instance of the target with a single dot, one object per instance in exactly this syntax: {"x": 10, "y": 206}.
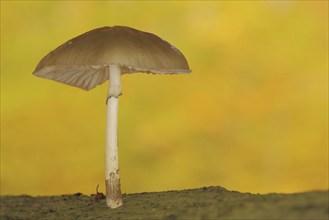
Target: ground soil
{"x": 204, "y": 203}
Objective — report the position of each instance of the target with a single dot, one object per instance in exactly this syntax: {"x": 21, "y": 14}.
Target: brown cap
{"x": 81, "y": 61}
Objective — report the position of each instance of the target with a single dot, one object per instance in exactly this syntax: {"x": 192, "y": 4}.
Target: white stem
{"x": 112, "y": 179}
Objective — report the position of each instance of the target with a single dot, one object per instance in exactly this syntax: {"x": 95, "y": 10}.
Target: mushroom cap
{"x": 82, "y": 61}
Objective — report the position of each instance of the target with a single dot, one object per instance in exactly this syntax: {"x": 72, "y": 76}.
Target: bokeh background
{"x": 251, "y": 117}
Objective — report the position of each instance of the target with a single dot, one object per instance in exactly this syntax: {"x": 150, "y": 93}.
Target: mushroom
{"x": 104, "y": 54}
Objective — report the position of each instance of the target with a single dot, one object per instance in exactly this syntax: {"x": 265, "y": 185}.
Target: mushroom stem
{"x": 112, "y": 179}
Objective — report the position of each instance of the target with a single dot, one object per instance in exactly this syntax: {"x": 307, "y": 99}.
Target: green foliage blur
{"x": 252, "y": 116}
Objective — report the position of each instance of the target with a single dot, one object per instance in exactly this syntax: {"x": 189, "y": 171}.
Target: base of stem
{"x": 113, "y": 191}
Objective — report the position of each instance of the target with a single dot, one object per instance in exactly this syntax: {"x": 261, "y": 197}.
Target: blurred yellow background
{"x": 252, "y": 116}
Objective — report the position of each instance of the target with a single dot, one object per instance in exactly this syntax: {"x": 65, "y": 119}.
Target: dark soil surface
{"x": 204, "y": 203}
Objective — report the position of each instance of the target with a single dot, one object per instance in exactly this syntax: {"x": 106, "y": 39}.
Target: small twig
{"x": 98, "y": 196}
